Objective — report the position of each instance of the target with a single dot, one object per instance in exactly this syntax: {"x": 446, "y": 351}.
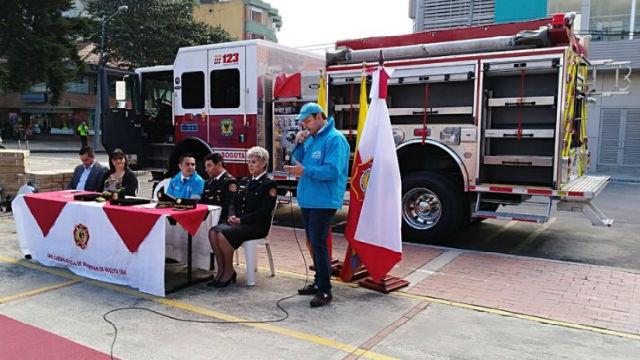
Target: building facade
{"x": 31, "y": 113}
{"x": 614, "y": 121}
{"x": 243, "y": 19}
{"x": 614, "y": 28}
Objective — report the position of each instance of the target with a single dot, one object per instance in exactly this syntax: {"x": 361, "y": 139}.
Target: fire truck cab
{"x": 214, "y": 97}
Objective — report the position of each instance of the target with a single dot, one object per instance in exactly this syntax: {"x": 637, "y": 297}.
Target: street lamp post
{"x": 101, "y": 79}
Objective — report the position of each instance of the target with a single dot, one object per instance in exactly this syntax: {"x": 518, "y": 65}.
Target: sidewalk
{"x": 48, "y": 146}
{"x": 457, "y": 308}
{"x": 597, "y": 296}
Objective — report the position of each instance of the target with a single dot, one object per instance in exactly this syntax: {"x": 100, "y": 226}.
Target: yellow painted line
{"x": 212, "y": 313}
{"x": 519, "y": 315}
{"x": 300, "y": 276}
{"x": 484, "y": 309}
{"x": 533, "y": 236}
{"x": 38, "y": 291}
{"x": 50, "y": 270}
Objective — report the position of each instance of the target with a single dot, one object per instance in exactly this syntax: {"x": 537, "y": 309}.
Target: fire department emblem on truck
{"x": 81, "y": 236}
{"x": 226, "y": 127}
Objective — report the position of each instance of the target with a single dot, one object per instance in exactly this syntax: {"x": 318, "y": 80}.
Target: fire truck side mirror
{"x": 121, "y": 93}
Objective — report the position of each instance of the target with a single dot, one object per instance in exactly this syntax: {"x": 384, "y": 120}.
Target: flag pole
{"x": 388, "y": 283}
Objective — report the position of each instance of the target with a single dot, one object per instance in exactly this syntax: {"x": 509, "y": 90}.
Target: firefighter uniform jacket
{"x": 255, "y": 201}
{"x": 220, "y": 192}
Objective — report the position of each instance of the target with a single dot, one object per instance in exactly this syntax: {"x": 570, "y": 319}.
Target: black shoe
{"x": 213, "y": 283}
{"x": 321, "y": 299}
{"x": 308, "y": 290}
{"x": 221, "y": 284}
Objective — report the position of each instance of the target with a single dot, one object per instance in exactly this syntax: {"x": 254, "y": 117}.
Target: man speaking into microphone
{"x": 321, "y": 162}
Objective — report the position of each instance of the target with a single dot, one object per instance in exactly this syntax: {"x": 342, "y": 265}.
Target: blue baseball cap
{"x": 308, "y": 109}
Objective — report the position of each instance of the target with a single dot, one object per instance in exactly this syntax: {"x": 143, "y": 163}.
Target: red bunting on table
{"x": 134, "y": 224}
{"x": 46, "y": 207}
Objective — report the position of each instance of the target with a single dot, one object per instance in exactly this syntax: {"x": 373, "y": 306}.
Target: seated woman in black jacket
{"x": 249, "y": 216}
{"x": 119, "y": 174}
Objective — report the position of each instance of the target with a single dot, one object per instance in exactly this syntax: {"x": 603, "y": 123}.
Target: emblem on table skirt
{"x": 81, "y": 236}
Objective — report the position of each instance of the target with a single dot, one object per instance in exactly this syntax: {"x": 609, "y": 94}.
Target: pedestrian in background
{"x": 322, "y": 165}
{"x": 83, "y": 131}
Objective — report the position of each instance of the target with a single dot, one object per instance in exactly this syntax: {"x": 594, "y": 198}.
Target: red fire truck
{"x": 485, "y": 119}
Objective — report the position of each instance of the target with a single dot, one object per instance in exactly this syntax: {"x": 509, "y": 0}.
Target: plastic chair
{"x": 251, "y": 256}
{"x": 162, "y": 185}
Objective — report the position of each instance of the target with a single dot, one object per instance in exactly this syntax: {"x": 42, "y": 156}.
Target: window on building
{"x": 250, "y": 36}
{"x": 610, "y": 20}
{"x": 225, "y": 89}
{"x": 563, "y": 6}
{"x": 257, "y": 15}
{"x": 39, "y": 87}
{"x": 78, "y": 86}
{"x": 193, "y": 90}
{"x": 441, "y": 14}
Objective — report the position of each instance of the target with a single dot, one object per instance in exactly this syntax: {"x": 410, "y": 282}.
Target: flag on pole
{"x": 374, "y": 222}
{"x": 352, "y": 263}
{"x": 322, "y": 92}
{"x": 363, "y": 106}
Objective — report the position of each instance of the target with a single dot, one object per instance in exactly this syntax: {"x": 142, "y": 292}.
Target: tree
{"x": 38, "y": 45}
{"x": 151, "y": 31}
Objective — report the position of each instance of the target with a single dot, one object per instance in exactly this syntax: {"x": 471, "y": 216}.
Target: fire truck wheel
{"x": 432, "y": 207}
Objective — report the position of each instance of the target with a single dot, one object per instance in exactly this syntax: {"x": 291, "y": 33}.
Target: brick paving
{"x": 584, "y": 294}
{"x": 576, "y": 293}
{"x": 287, "y": 255}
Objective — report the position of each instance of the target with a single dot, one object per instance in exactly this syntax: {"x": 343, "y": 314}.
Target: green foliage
{"x": 151, "y": 31}
{"x": 38, "y": 45}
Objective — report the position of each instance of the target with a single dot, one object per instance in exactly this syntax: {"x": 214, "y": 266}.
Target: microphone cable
{"x": 239, "y": 322}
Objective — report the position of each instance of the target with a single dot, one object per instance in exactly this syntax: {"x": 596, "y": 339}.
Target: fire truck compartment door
{"x": 457, "y": 72}
{"x": 226, "y": 80}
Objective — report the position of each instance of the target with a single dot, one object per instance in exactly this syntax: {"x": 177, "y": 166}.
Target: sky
{"x": 306, "y": 23}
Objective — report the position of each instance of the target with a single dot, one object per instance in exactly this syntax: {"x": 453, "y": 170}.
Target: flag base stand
{"x": 336, "y": 265}
{"x": 386, "y": 285}
{"x": 359, "y": 274}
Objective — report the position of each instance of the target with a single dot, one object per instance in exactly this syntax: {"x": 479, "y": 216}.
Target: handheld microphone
{"x": 289, "y": 157}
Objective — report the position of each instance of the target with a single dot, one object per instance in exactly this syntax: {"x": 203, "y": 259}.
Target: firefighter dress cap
{"x": 308, "y": 109}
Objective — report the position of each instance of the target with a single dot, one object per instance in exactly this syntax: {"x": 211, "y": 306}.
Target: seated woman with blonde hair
{"x": 249, "y": 218}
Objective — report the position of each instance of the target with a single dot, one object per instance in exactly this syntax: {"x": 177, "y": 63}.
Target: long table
{"x": 119, "y": 244}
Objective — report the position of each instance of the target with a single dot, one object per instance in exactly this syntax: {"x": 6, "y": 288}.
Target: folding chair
{"x": 251, "y": 256}
{"x": 162, "y": 185}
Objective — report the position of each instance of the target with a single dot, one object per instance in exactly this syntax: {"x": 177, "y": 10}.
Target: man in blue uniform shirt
{"x": 187, "y": 184}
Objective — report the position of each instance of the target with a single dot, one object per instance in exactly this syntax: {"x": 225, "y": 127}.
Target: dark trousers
{"x": 84, "y": 140}
{"x": 317, "y": 224}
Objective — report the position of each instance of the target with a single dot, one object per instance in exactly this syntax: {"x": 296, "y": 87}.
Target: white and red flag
{"x": 374, "y": 222}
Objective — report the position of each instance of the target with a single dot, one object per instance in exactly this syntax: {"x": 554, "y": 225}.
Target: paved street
{"x": 501, "y": 290}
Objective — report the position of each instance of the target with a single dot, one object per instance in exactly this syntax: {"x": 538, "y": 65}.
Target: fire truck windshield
{"x": 157, "y": 95}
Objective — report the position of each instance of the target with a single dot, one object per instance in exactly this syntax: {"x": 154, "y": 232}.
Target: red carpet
{"x": 25, "y": 342}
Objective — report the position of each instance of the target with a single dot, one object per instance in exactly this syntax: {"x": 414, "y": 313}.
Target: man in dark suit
{"x": 221, "y": 186}
{"x": 88, "y": 175}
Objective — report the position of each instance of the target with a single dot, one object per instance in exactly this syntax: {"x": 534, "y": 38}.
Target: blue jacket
{"x": 325, "y": 158}
{"x": 190, "y": 189}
